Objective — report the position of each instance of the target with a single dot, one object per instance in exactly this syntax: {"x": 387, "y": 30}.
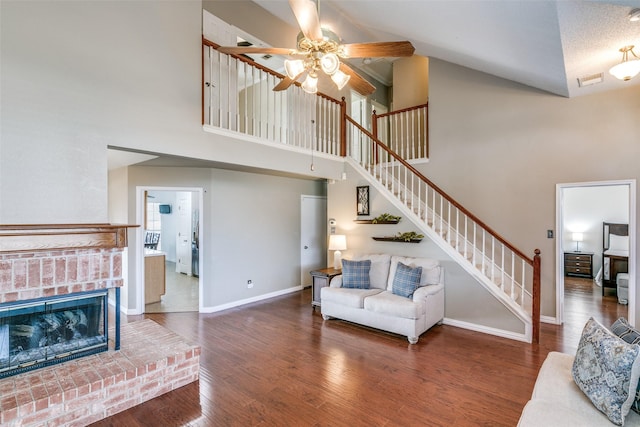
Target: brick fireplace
{"x": 38, "y": 262}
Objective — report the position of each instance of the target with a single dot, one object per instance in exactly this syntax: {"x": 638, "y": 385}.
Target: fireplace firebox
{"x": 45, "y": 331}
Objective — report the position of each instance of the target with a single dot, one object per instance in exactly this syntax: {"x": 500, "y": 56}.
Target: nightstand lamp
{"x": 578, "y": 237}
{"x": 337, "y": 243}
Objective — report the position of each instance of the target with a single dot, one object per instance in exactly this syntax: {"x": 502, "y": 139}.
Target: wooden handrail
{"x": 404, "y": 110}
{"x": 442, "y": 193}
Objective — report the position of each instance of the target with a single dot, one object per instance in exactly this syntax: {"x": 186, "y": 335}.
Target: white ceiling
{"x": 545, "y": 44}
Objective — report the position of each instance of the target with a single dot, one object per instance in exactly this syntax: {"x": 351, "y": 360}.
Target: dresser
{"x": 578, "y": 264}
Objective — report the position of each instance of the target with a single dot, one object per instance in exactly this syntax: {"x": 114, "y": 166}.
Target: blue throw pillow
{"x": 406, "y": 280}
{"x": 355, "y": 274}
{"x": 624, "y": 330}
{"x": 607, "y": 369}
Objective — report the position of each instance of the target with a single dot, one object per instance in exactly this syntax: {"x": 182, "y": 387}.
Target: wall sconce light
{"x": 628, "y": 68}
{"x": 337, "y": 243}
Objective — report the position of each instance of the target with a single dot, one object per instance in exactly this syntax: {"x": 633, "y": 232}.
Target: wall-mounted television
{"x": 164, "y": 209}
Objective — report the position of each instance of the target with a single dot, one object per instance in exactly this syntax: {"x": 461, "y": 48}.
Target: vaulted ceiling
{"x": 545, "y": 44}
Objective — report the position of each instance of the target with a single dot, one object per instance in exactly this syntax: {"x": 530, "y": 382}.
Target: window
{"x": 154, "y": 220}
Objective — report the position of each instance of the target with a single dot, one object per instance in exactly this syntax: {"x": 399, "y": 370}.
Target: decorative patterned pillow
{"x": 624, "y": 330}
{"x": 607, "y": 370}
{"x": 355, "y": 274}
{"x": 406, "y": 280}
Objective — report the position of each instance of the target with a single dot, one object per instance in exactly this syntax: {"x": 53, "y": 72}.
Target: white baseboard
{"x": 485, "y": 329}
{"x": 250, "y": 300}
{"x": 549, "y": 319}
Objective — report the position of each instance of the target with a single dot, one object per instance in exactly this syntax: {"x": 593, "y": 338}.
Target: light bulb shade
{"x": 310, "y": 84}
{"x": 626, "y": 70}
{"x": 578, "y": 237}
{"x": 330, "y": 63}
{"x": 293, "y": 67}
{"x": 337, "y": 242}
{"x": 340, "y": 79}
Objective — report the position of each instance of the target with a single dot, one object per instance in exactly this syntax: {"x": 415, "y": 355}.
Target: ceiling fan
{"x": 319, "y": 49}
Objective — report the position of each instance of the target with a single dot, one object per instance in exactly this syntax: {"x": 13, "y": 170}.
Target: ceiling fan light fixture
{"x": 329, "y": 63}
{"x": 293, "y": 67}
{"x": 340, "y": 79}
{"x": 634, "y": 15}
{"x": 310, "y": 84}
{"x": 627, "y": 69}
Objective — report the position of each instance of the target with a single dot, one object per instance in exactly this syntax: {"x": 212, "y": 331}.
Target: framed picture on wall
{"x": 362, "y": 200}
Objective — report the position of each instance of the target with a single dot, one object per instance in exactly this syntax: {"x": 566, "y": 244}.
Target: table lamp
{"x": 578, "y": 237}
{"x": 337, "y": 243}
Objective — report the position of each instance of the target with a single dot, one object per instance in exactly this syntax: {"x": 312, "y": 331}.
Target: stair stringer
{"x": 458, "y": 257}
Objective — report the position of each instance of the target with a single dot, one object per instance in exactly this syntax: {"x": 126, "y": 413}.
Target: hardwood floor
{"x": 277, "y": 363}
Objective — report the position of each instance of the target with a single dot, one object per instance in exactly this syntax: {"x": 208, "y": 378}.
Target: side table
{"x": 319, "y": 279}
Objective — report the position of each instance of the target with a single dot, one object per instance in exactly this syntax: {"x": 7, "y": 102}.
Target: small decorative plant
{"x": 408, "y": 236}
{"x": 385, "y": 217}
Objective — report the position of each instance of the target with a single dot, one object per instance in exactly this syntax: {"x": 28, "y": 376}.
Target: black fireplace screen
{"x": 46, "y": 331}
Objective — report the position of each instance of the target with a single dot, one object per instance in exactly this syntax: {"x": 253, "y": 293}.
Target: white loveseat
{"x": 558, "y": 401}
{"x": 378, "y": 307}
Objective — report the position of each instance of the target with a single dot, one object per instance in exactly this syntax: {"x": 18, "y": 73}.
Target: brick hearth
{"x": 152, "y": 361}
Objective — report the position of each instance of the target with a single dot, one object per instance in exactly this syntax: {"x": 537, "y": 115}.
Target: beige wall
{"x": 412, "y": 69}
{"x": 500, "y": 148}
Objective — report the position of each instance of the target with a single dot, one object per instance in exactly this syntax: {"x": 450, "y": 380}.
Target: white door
{"x": 313, "y": 236}
{"x": 183, "y": 236}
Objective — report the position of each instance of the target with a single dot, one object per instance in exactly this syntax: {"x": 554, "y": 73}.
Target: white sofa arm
{"x": 336, "y": 282}
{"x": 425, "y": 291}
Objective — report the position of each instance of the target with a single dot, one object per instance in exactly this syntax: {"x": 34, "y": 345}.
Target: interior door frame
{"x": 631, "y": 305}
{"x": 139, "y": 248}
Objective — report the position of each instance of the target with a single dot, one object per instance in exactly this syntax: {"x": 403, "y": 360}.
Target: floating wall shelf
{"x": 396, "y": 239}
{"x": 371, "y": 221}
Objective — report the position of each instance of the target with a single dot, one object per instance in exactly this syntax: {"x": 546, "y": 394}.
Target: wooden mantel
{"x": 47, "y": 237}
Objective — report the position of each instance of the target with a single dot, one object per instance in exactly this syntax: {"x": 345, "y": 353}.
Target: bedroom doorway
{"x": 581, "y": 211}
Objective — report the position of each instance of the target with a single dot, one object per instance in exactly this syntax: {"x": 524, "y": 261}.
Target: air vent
{"x": 590, "y": 80}
{"x": 267, "y": 56}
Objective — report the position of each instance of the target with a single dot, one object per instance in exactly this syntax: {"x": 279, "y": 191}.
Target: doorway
{"x": 169, "y": 274}
{"x": 313, "y": 236}
{"x": 581, "y": 210}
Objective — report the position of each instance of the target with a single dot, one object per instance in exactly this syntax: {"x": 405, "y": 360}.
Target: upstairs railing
{"x": 238, "y": 96}
{"x": 404, "y": 131}
{"x": 514, "y": 273}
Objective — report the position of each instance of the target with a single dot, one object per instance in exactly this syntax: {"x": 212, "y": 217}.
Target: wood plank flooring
{"x": 277, "y": 363}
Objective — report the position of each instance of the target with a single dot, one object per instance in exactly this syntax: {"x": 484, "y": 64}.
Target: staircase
{"x": 503, "y": 270}
{"x": 231, "y": 86}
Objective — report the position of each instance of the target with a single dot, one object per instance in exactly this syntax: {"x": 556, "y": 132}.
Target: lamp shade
{"x": 293, "y": 67}
{"x": 577, "y": 237}
{"x": 337, "y": 242}
{"x": 628, "y": 68}
{"x": 310, "y": 84}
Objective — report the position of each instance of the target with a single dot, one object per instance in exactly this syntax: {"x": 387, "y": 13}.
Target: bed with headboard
{"x": 615, "y": 253}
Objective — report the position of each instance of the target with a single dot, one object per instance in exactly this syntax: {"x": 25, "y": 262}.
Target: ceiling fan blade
{"x": 306, "y": 14}
{"x": 239, "y": 50}
{"x": 284, "y": 84}
{"x": 358, "y": 83}
{"x": 378, "y": 49}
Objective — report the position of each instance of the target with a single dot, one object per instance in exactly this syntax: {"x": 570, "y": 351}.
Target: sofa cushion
{"x": 379, "y": 271}
{"x": 355, "y": 274}
{"x": 345, "y": 296}
{"x": 607, "y": 369}
{"x": 406, "y": 280}
{"x": 431, "y": 270}
{"x": 393, "y": 305}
